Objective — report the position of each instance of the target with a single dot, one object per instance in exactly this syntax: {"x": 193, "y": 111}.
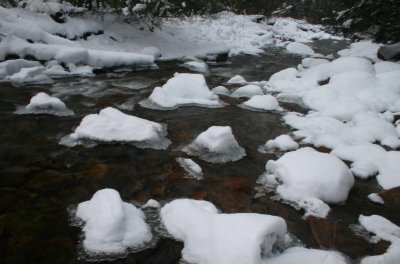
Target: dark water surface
{"x": 40, "y": 179}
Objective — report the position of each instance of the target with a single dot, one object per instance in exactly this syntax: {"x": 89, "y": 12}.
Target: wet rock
{"x": 391, "y": 197}
{"x": 14, "y": 176}
{"x": 323, "y": 231}
{"x": 389, "y": 52}
{"x": 199, "y": 195}
{"x": 237, "y": 183}
{"x": 49, "y": 181}
{"x": 158, "y": 190}
{"x": 230, "y": 201}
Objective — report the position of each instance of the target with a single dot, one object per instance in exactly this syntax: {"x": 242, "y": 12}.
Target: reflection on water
{"x": 40, "y": 179}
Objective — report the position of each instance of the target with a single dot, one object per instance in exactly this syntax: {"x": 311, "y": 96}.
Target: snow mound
{"x": 183, "y": 89}
{"x": 311, "y": 256}
{"x": 299, "y": 49}
{"x": 286, "y": 74}
{"x": 42, "y": 103}
{"x": 192, "y": 169}
{"x": 111, "y": 125}
{"x": 217, "y": 144}
{"x": 248, "y": 91}
{"x": 282, "y": 143}
{"x": 221, "y": 90}
{"x": 210, "y": 237}
{"x": 386, "y": 230}
{"x": 151, "y": 203}
{"x": 309, "y": 179}
{"x": 312, "y": 62}
{"x": 152, "y": 51}
{"x": 111, "y": 225}
{"x": 197, "y": 66}
{"x": 32, "y": 75}
{"x": 237, "y": 79}
{"x": 386, "y": 66}
{"x": 262, "y": 102}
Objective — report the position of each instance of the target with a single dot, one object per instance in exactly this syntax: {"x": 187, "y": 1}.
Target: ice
{"x": 374, "y": 197}
{"x": 210, "y": 237}
{"x": 183, "y": 89}
{"x": 364, "y": 49}
{"x": 221, "y": 90}
{"x": 282, "y": 143}
{"x": 309, "y": 179}
{"x": 113, "y": 126}
{"x": 111, "y": 225}
{"x": 262, "y": 102}
{"x": 197, "y": 66}
{"x": 32, "y": 75}
{"x": 248, "y": 91}
{"x": 10, "y": 67}
{"x": 386, "y": 230}
{"x": 299, "y": 49}
{"x": 237, "y": 79}
{"x": 309, "y": 256}
{"x": 42, "y": 103}
{"x": 217, "y": 144}
{"x": 192, "y": 169}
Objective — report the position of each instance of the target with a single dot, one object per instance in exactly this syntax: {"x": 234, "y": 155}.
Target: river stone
{"x": 49, "y": 181}
{"x": 391, "y": 197}
{"x": 389, "y": 52}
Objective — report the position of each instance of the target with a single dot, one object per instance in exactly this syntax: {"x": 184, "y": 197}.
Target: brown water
{"x": 40, "y": 179}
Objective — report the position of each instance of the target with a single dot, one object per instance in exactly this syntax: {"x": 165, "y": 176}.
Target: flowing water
{"x": 41, "y": 179}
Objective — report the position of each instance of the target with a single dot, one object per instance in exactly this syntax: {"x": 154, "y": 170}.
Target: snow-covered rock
{"x": 309, "y": 179}
{"x": 262, "y": 102}
{"x": 42, "y": 103}
{"x": 153, "y": 51}
{"x": 111, "y": 225}
{"x": 221, "y": 90}
{"x": 312, "y": 62}
{"x": 217, "y": 144}
{"x": 10, "y": 67}
{"x": 210, "y": 237}
{"x": 300, "y": 49}
{"x": 374, "y": 197}
{"x": 237, "y": 79}
{"x": 286, "y": 74}
{"x": 248, "y": 91}
{"x": 151, "y": 203}
{"x": 197, "y": 66}
{"x": 363, "y": 49}
{"x": 32, "y": 75}
{"x": 192, "y": 169}
{"x": 386, "y": 230}
{"x": 111, "y": 125}
{"x": 282, "y": 143}
{"x": 183, "y": 89}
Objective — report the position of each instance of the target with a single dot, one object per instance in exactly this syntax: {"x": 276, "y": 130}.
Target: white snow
{"x": 111, "y": 125}
{"x": 300, "y": 49}
{"x": 151, "y": 203}
{"x": 221, "y": 90}
{"x": 42, "y": 103}
{"x": 386, "y": 66}
{"x": 237, "y": 79}
{"x": 10, "y": 67}
{"x": 217, "y": 144}
{"x": 309, "y": 179}
{"x": 312, "y": 62}
{"x": 32, "y": 75}
{"x": 183, "y": 89}
{"x": 282, "y": 143}
{"x": 309, "y": 256}
{"x": 364, "y": 49}
{"x": 374, "y": 197}
{"x": 248, "y": 91}
{"x": 111, "y": 225}
{"x": 192, "y": 169}
{"x": 262, "y": 102}
{"x": 386, "y": 230}
{"x": 211, "y": 238}
{"x": 286, "y": 74}
{"x": 197, "y": 66}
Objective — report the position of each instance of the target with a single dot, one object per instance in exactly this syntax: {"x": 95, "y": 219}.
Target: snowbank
{"x": 111, "y": 225}
{"x": 42, "y": 103}
{"x": 111, "y": 125}
{"x": 32, "y": 75}
{"x": 10, "y": 67}
{"x": 386, "y": 230}
{"x": 210, "y": 237}
{"x": 309, "y": 179}
{"x": 183, "y": 89}
{"x": 217, "y": 144}
{"x": 363, "y": 49}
